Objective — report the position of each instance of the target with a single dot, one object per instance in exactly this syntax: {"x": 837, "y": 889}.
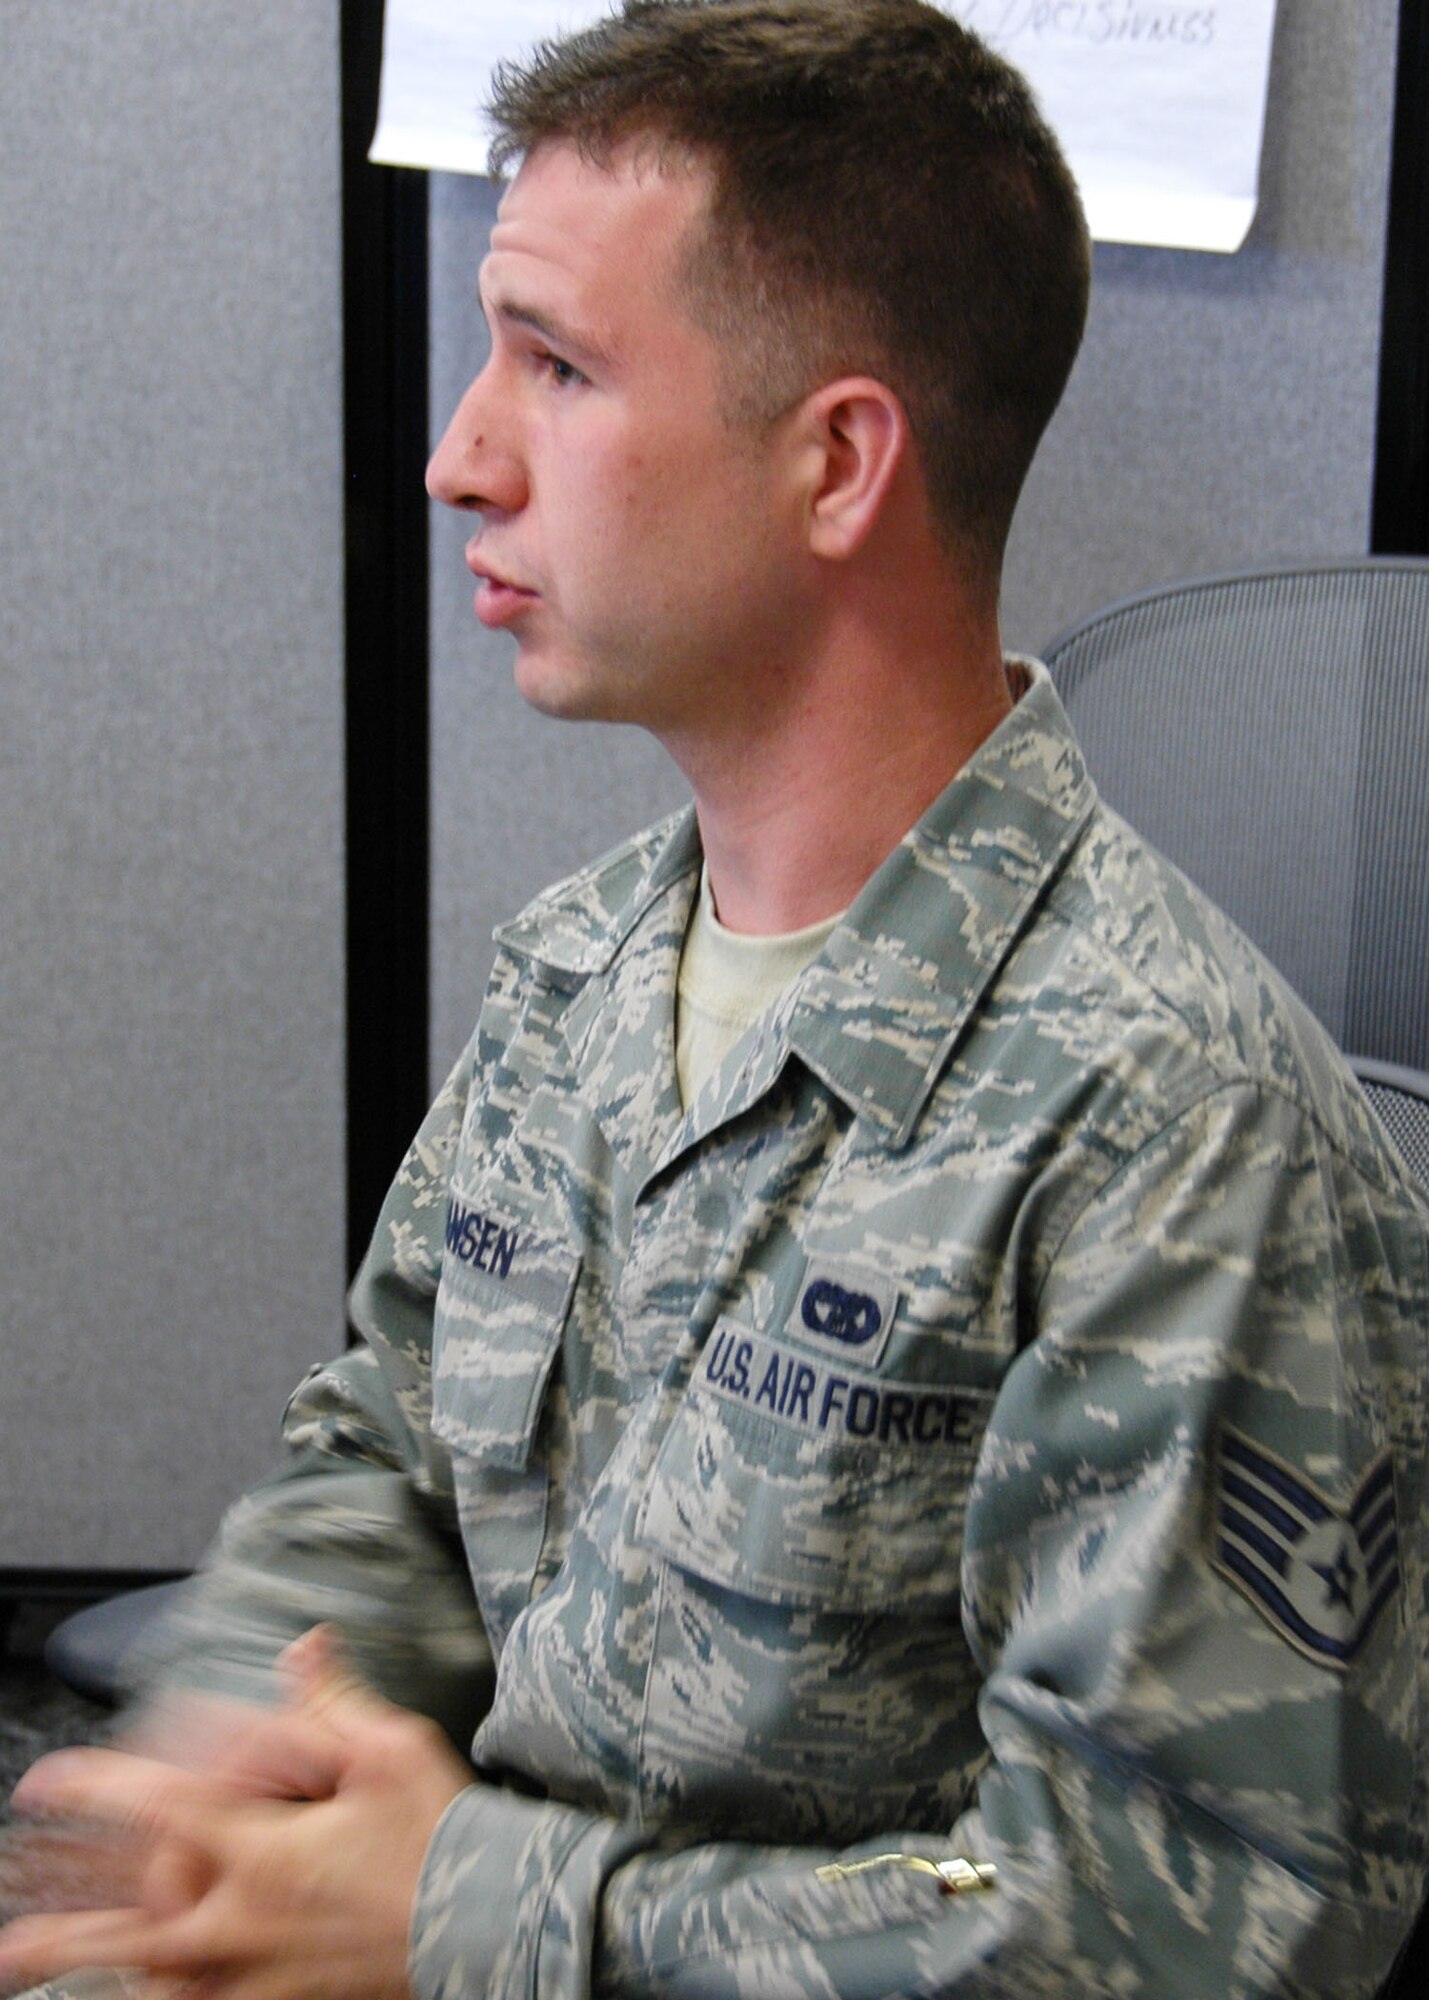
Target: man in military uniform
{"x": 890, "y": 1429}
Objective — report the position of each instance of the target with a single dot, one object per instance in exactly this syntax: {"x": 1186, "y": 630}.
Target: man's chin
{"x": 562, "y": 691}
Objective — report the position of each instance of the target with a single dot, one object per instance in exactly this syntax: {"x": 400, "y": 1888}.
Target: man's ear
{"x": 858, "y": 439}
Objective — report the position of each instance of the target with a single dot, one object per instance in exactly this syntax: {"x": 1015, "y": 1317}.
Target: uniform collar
{"x": 879, "y": 1011}
{"x": 576, "y": 930}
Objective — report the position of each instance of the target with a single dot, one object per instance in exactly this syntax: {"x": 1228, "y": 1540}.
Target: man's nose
{"x": 472, "y": 468}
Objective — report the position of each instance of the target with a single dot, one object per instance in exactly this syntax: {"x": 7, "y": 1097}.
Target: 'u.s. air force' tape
{"x": 1320, "y": 1573}
{"x": 819, "y": 1398}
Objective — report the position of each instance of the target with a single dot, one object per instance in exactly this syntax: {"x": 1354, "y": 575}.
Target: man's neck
{"x": 797, "y": 814}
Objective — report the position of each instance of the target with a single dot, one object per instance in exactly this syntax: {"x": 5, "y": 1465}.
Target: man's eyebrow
{"x": 579, "y": 346}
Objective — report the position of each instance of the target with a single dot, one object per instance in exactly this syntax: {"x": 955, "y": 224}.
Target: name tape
{"x": 480, "y": 1240}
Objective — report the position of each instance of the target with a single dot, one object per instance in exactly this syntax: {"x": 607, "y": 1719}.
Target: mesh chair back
{"x": 1400, "y": 1097}
{"x": 1269, "y": 732}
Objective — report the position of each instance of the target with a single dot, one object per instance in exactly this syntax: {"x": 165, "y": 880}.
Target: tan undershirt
{"x": 726, "y": 981}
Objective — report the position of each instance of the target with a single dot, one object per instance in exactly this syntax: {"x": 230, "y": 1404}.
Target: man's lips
{"x": 497, "y": 599}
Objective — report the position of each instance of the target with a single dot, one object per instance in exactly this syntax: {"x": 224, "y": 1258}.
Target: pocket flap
{"x": 505, "y": 1291}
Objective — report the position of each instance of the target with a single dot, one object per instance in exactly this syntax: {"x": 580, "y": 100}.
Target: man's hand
{"x": 285, "y": 1871}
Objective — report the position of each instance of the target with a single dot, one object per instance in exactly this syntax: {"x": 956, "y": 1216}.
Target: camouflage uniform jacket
{"x": 989, "y": 1423}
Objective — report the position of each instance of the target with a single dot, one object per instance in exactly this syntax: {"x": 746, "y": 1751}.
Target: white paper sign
{"x": 1160, "y": 107}
{"x": 437, "y": 59}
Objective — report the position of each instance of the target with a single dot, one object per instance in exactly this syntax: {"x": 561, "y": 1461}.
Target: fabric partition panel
{"x": 171, "y": 762}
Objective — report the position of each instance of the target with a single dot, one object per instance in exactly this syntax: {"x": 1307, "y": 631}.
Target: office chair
{"x": 87, "y": 1651}
{"x": 1401, "y": 1098}
{"x": 1269, "y": 732}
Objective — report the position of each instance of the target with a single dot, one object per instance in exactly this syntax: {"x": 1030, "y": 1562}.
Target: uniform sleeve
{"x": 357, "y": 1526}
{"x": 1204, "y": 1774}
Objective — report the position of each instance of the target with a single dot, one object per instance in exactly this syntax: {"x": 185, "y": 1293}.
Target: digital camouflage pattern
{"x": 988, "y": 1423}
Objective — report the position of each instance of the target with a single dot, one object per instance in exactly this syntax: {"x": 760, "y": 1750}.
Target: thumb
{"x": 300, "y": 1749}
{"x": 321, "y": 1681}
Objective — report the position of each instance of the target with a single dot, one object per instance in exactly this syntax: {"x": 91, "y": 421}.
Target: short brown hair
{"x": 887, "y": 200}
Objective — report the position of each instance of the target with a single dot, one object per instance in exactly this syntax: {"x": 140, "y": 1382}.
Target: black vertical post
{"x": 1400, "y": 520}
{"x": 384, "y": 229}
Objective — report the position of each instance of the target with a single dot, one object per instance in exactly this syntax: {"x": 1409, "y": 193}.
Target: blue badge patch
{"x": 838, "y": 1314}
{"x": 847, "y": 1312}
{"x": 1320, "y": 1574}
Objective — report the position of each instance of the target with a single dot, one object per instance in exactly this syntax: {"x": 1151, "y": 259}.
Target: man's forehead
{"x": 634, "y": 189}
{"x": 587, "y": 250}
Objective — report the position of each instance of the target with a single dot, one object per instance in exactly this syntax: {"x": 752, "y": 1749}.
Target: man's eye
{"x": 561, "y": 372}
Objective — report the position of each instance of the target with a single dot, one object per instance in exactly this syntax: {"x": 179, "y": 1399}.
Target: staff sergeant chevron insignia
{"x": 1321, "y": 1574}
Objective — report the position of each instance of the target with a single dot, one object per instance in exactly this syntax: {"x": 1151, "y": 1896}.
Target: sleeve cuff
{"x": 509, "y": 1897}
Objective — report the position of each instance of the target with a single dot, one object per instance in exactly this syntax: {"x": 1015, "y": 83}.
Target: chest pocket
{"x": 791, "y": 1480}
{"x": 502, "y": 1304}
{"x": 809, "y": 1666}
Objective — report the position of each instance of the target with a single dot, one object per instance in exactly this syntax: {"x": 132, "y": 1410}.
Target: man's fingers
{"x": 191, "y": 1731}
{"x": 321, "y": 1680}
{"x": 64, "y": 1867}
{"x": 176, "y": 1875}
{"x": 186, "y": 1945}
{"x": 33, "y": 1949}
{"x": 290, "y": 1755}
{"x": 110, "y": 1788}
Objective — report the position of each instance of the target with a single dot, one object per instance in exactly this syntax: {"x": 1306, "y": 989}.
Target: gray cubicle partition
{"x": 171, "y": 757}
{"x": 1223, "y": 411}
